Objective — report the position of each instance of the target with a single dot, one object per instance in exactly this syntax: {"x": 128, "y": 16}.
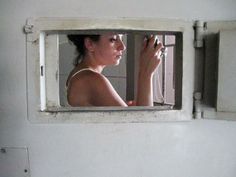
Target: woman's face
{"x": 108, "y": 49}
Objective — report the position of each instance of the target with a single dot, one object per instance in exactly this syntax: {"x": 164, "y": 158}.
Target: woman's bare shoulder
{"x": 98, "y": 89}
{"x": 96, "y": 81}
{"x": 83, "y": 86}
{"x": 89, "y": 80}
{"x": 88, "y": 75}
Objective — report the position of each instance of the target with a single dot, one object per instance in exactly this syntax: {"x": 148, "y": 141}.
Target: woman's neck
{"x": 91, "y": 65}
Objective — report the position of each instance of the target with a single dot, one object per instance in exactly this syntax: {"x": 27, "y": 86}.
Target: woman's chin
{"x": 117, "y": 62}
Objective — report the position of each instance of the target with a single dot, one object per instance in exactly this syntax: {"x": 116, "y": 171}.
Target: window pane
{"x": 170, "y": 40}
{"x": 169, "y": 77}
{"x": 160, "y": 37}
{"x": 67, "y": 54}
{"x": 163, "y": 80}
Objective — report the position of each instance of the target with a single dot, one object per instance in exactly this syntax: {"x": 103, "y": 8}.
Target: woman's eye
{"x": 113, "y": 39}
{"x": 116, "y": 38}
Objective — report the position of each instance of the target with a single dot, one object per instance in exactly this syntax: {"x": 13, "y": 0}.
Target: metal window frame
{"x": 54, "y": 113}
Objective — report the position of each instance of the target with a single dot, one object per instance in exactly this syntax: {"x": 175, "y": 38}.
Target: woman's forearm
{"x": 144, "y": 92}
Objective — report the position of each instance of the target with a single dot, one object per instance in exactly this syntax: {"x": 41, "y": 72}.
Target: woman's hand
{"x": 148, "y": 62}
{"x": 131, "y": 103}
{"x": 149, "y": 56}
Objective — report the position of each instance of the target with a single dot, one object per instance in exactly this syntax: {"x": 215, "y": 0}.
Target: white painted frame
{"x": 38, "y": 100}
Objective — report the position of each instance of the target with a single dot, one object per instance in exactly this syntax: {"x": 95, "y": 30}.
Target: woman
{"x": 86, "y": 86}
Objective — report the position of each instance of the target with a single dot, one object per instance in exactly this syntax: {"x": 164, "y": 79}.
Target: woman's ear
{"x": 89, "y": 44}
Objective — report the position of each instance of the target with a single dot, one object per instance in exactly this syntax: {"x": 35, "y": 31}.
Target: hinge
{"x": 200, "y": 28}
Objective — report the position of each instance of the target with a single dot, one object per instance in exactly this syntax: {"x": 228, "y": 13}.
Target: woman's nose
{"x": 121, "y": 45}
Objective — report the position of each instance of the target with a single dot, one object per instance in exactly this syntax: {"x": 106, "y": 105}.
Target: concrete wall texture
{"x": 197, "y": 148}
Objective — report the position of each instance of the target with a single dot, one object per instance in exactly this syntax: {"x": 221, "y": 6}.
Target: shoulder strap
{"x": 84, "y": 69}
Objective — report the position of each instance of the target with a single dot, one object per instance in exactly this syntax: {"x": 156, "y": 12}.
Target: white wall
{"x": 181, "y": 149}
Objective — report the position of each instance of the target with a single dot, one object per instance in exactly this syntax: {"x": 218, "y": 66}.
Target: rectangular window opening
{"x": 57, "y": 55}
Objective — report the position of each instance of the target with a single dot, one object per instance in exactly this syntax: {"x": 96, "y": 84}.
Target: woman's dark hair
{"x": 78, "y": 41}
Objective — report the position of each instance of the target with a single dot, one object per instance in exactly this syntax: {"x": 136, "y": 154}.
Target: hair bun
{"x": 78, "y": 41}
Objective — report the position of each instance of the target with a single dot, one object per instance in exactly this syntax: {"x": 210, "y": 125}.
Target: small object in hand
{"x": 157, "y": 41}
